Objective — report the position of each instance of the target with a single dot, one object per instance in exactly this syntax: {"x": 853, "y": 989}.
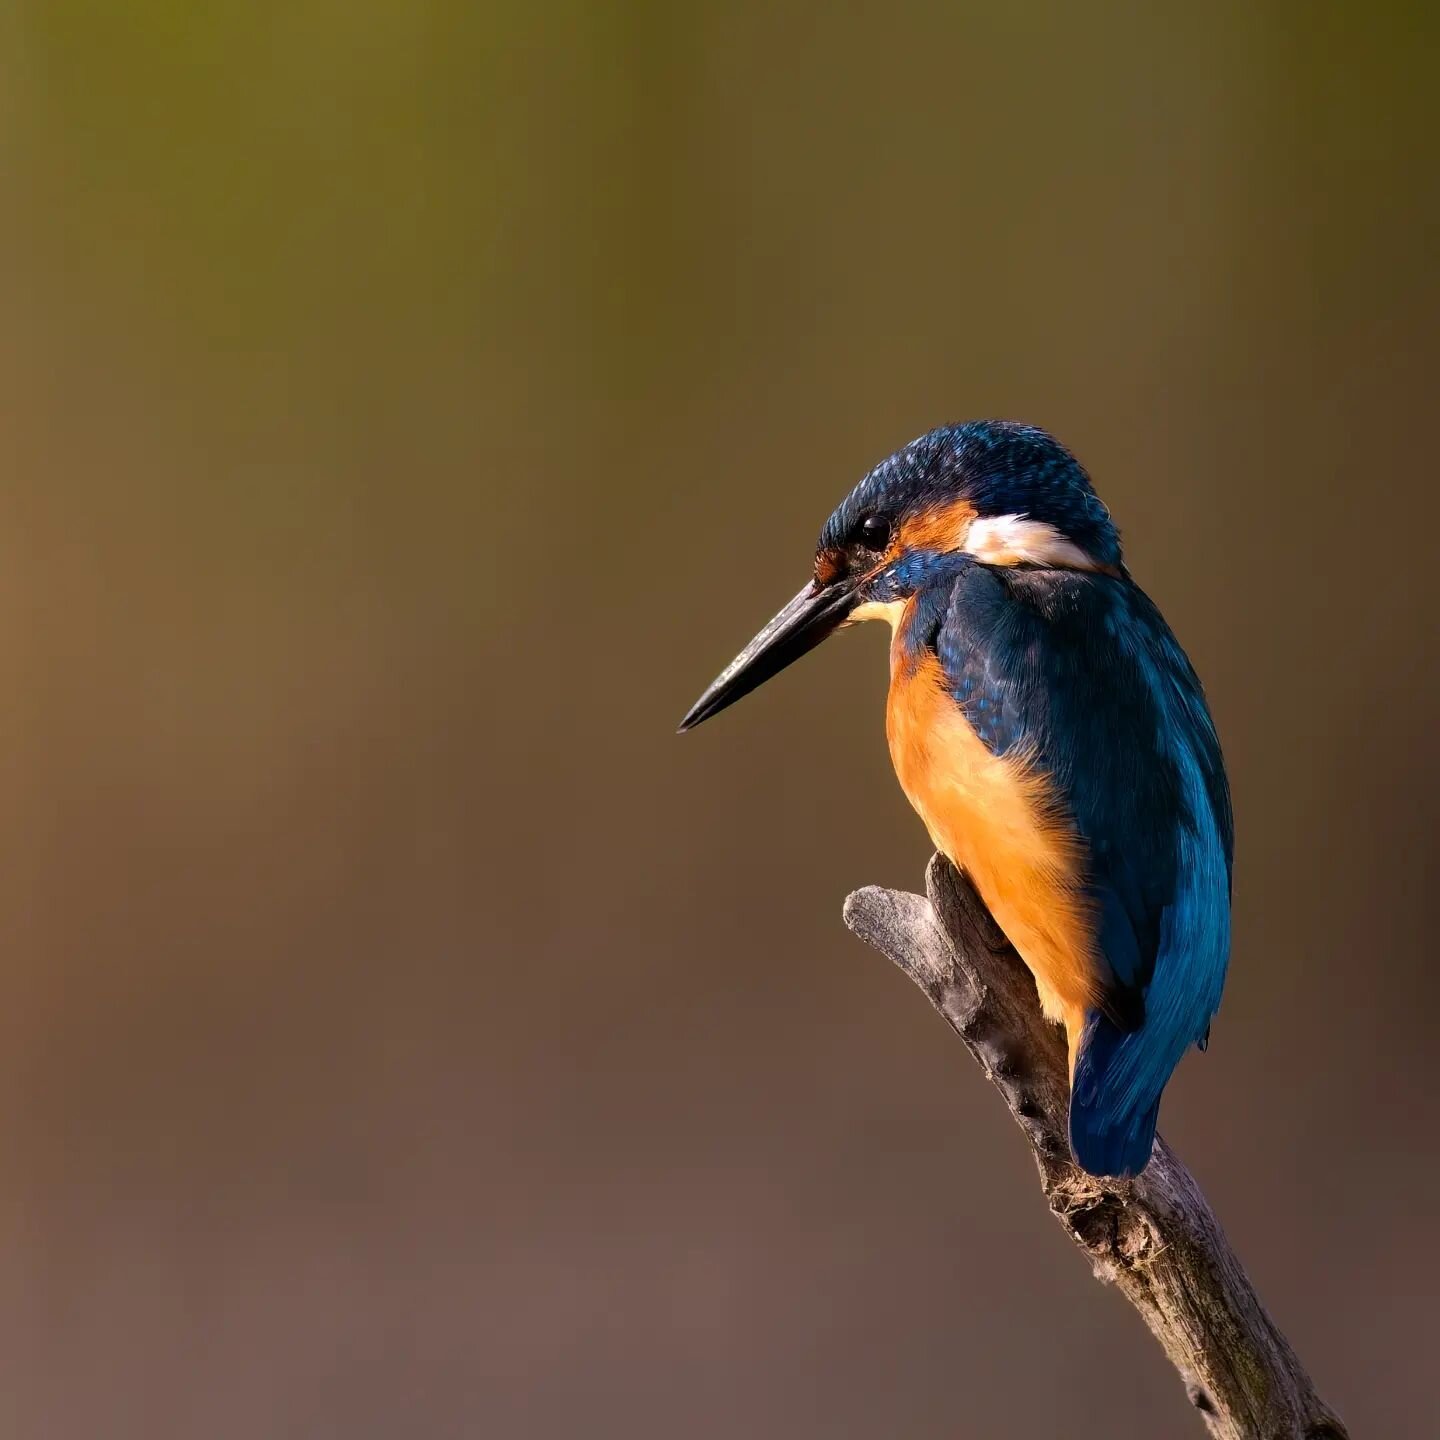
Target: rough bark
{"x": 1154, "y": 1237}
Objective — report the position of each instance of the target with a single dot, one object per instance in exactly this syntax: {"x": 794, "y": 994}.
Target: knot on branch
{"x": 1197, "y": 1396}
{"x": 1104, "y": 1223}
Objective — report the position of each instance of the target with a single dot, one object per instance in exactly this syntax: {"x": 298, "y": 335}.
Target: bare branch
{"x": 1153, "y": 1237}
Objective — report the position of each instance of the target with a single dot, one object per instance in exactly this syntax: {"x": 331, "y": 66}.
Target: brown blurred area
{"x": 408, "y": 410}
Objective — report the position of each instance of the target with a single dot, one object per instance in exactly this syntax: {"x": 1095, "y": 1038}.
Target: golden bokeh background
{"x": 409, "y": 408}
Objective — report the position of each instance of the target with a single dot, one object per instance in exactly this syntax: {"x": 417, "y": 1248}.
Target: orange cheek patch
{"x": 829, "y": 566}
{"x": 943, "y": 527}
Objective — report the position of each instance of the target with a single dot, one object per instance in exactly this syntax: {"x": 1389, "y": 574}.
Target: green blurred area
{"x": 409, "y": 409}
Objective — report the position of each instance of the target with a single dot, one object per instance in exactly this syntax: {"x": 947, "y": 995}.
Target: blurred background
{"x": 408, "y": 409}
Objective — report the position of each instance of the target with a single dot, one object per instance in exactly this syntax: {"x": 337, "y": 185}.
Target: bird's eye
{"x": 873, "y": 532}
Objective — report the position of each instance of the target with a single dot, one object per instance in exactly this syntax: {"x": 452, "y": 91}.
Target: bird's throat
{"x": 888, "y": 610}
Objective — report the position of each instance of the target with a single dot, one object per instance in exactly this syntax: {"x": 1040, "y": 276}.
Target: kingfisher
{"x": 1053, "y": 737}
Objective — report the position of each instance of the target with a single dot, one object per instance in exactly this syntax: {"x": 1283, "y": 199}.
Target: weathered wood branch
{"x": 1153, "y": 1237}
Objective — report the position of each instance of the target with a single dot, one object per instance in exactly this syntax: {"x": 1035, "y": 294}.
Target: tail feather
{"x": 1112, "y": 1128}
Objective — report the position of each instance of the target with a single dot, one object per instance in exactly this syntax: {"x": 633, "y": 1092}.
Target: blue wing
{"x": 1081, "y": 673}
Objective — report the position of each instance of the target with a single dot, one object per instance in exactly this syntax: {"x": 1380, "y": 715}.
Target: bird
{"x": 1053, "y": 737}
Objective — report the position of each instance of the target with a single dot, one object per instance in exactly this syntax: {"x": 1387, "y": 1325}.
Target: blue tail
{"x": 1112, "y": 1125}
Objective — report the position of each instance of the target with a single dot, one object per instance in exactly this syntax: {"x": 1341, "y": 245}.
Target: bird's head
{"x": 997, "y": 492}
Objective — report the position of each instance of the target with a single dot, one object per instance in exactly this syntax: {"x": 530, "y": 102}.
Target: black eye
{"x": 873, "y": 532}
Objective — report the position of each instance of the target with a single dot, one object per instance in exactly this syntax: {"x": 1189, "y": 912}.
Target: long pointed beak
{"x": 800, "y": 626}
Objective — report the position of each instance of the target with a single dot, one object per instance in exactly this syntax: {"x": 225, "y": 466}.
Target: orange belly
{"x": 996, "y": 819}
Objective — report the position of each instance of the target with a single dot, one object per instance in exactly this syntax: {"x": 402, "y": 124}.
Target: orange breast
{"x": 996, "y": 818}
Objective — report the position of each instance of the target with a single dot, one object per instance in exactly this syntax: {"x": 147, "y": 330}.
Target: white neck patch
{"x": 1015, "y": 540}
